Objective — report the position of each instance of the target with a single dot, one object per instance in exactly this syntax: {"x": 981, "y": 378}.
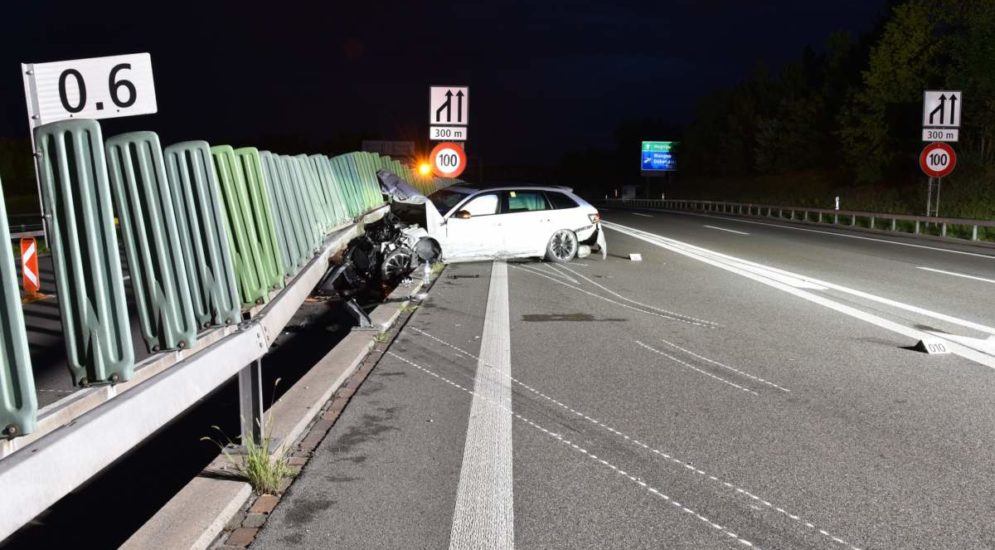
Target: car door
{"x": 478, "y": 236}
{"x": 526, "y": 222}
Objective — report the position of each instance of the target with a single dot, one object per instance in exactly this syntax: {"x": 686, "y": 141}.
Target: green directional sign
{"x": 658, "y": 156}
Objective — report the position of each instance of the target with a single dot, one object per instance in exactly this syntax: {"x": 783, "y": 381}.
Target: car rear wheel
{"x": 562, "y": 246}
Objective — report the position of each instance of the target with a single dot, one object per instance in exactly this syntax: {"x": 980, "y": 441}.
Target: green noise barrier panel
{"x": 250, "y": 271}
{"x": 331, "y": 189}
{"x": 76, "y": 199}
{"x": 296, "y": 205}
{"x": 262, "y": 214}
{"x": 301, "y": 249}
{"x": 143, "y": 200}
{"x": 314, "y": 192}
{"x": 18, "y": 402}
{"x": 200, "y": 219}
{"x": 303, "y": 196}
{"x": 281, "y": 217}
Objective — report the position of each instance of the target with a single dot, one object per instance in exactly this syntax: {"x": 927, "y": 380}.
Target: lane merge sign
{"x": 448, "y": 160}
{"x": 941, "y": 115}
{"x": 937, "y": 160}
{"x": 449, "y": 105}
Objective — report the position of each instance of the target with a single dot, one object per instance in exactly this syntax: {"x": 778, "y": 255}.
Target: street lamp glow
{"x": 424, "y": 168}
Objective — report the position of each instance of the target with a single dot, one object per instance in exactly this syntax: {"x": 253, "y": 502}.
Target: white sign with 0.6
{"x": 99, "y": 87}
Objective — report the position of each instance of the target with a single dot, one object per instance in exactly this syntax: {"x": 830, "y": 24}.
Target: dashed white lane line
{"x": 727, "y": 230}
{"x": 686, "y": 465}
{"x": 716, "y": 363}
{"x": 558, "y": 437}
{"x": 631, "y": 301}
{"x": 696, "y": 369}
{"x": 484, "y": 514}
{"x": 964, "y": 275}
{"x": 641, "y": 214}
{"x": 668, "y": 315}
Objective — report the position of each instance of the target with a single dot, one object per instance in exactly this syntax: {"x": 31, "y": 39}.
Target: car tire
{"x": 562, "y": 246}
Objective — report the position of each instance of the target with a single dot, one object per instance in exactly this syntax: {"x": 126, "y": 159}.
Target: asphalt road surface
{"x": 744, "y": 385}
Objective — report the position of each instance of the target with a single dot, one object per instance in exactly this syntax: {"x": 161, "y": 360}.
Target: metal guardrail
{"x": 911, "y": 224}
{"x": 197, "y": 224}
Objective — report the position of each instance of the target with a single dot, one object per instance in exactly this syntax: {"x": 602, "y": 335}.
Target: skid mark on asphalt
{"x": 652, "y": 490}
{"x": 669, "y": 315}
{"x": 696, "y": 369}
{"x": 716, "y": 363}
{"x": 559, "y": 275}
{"x": 630, "y": 300}
{"x": 685, "y": 465}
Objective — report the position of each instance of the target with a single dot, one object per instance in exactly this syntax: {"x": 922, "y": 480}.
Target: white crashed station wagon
{"x": 513, "y": 222}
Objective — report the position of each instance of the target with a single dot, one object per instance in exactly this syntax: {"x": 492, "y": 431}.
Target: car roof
{"x": 504, "y": 187}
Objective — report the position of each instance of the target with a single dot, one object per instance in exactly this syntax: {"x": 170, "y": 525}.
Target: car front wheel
{"x": 562, "y": 246}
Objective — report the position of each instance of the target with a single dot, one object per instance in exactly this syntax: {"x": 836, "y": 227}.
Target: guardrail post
{"x": 917, "y": 227}
{"x": 974, "y": 233}
{"x": 853, "y": 219}
{"x": 943, "y": 229}
{"x": 19, "y": 411}
{"x": 894, "y": 224}
{"x": 77, "y": 202}
{"x": 872, "y": 222}
{"x": 250, "y": 402}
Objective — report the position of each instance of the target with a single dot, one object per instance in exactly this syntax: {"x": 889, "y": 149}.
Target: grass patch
{"x": 264, "y": 472}
{"x": 380, "y": 337}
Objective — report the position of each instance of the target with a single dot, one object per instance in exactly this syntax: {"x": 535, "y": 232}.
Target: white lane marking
{"x": 558, "y": 437}
{"x": 696, "y": 369}
{"x": 668, "y": 315}
{"x": 727, "y": 230}
{"x": 809, "y": 282}
{"x": 617, "y": 295}
{"x": 844, "y": 235}
{"x": 685, "y": 465}
{"x": 549, "y": 269}
{"x": 716, "y": 363}
{"x": 736, "y": 265}
{"x": 934, "y": 270}
{"x": 641, "y": 214}
{"x": 484, "y": 515}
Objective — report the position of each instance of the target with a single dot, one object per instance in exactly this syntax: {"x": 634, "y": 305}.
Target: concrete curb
{"x": 200, "y": 512}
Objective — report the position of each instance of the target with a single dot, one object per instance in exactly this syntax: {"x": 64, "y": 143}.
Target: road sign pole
{"x": 31, "y": 95}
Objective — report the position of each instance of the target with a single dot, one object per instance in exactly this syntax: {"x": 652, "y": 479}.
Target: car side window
{"x": 524, "y": 201}
{"x": 482, "y": 205}
{"x": 560, "y": 201}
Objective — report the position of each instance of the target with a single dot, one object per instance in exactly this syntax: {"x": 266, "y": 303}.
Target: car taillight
{"x": 595, "y": 218}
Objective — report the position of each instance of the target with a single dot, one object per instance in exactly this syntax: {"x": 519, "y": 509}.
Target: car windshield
{"x": 445, "y": 199}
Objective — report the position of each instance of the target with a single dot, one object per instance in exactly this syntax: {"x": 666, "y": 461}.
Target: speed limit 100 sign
{"x": 448, "y": 160}
{"x": 99, "y": 87}
{"x": 938, "y": 160}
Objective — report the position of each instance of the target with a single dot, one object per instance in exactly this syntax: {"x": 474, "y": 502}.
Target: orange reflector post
{"x": 29, "y": 268}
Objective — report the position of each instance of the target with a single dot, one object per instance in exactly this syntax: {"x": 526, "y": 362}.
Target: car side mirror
{"x": 463, "y": 215}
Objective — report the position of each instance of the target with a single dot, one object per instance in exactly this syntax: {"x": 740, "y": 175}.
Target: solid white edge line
{"x": 957, "y": 274}
{"x": 727, "y": 230}
{"x": 959, "y": 349}
{"x": 484, "y": 513}
{"x": 641, "y": 214}
{"x": 807, "y": 230}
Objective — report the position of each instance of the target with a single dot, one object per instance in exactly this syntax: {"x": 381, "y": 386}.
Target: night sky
{"x": 545, "y": 77}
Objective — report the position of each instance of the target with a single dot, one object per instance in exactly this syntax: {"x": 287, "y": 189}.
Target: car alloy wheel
{"x": 562, "y": 246}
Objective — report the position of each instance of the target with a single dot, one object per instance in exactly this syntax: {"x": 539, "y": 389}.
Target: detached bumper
{"x": 596, "y": 240}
